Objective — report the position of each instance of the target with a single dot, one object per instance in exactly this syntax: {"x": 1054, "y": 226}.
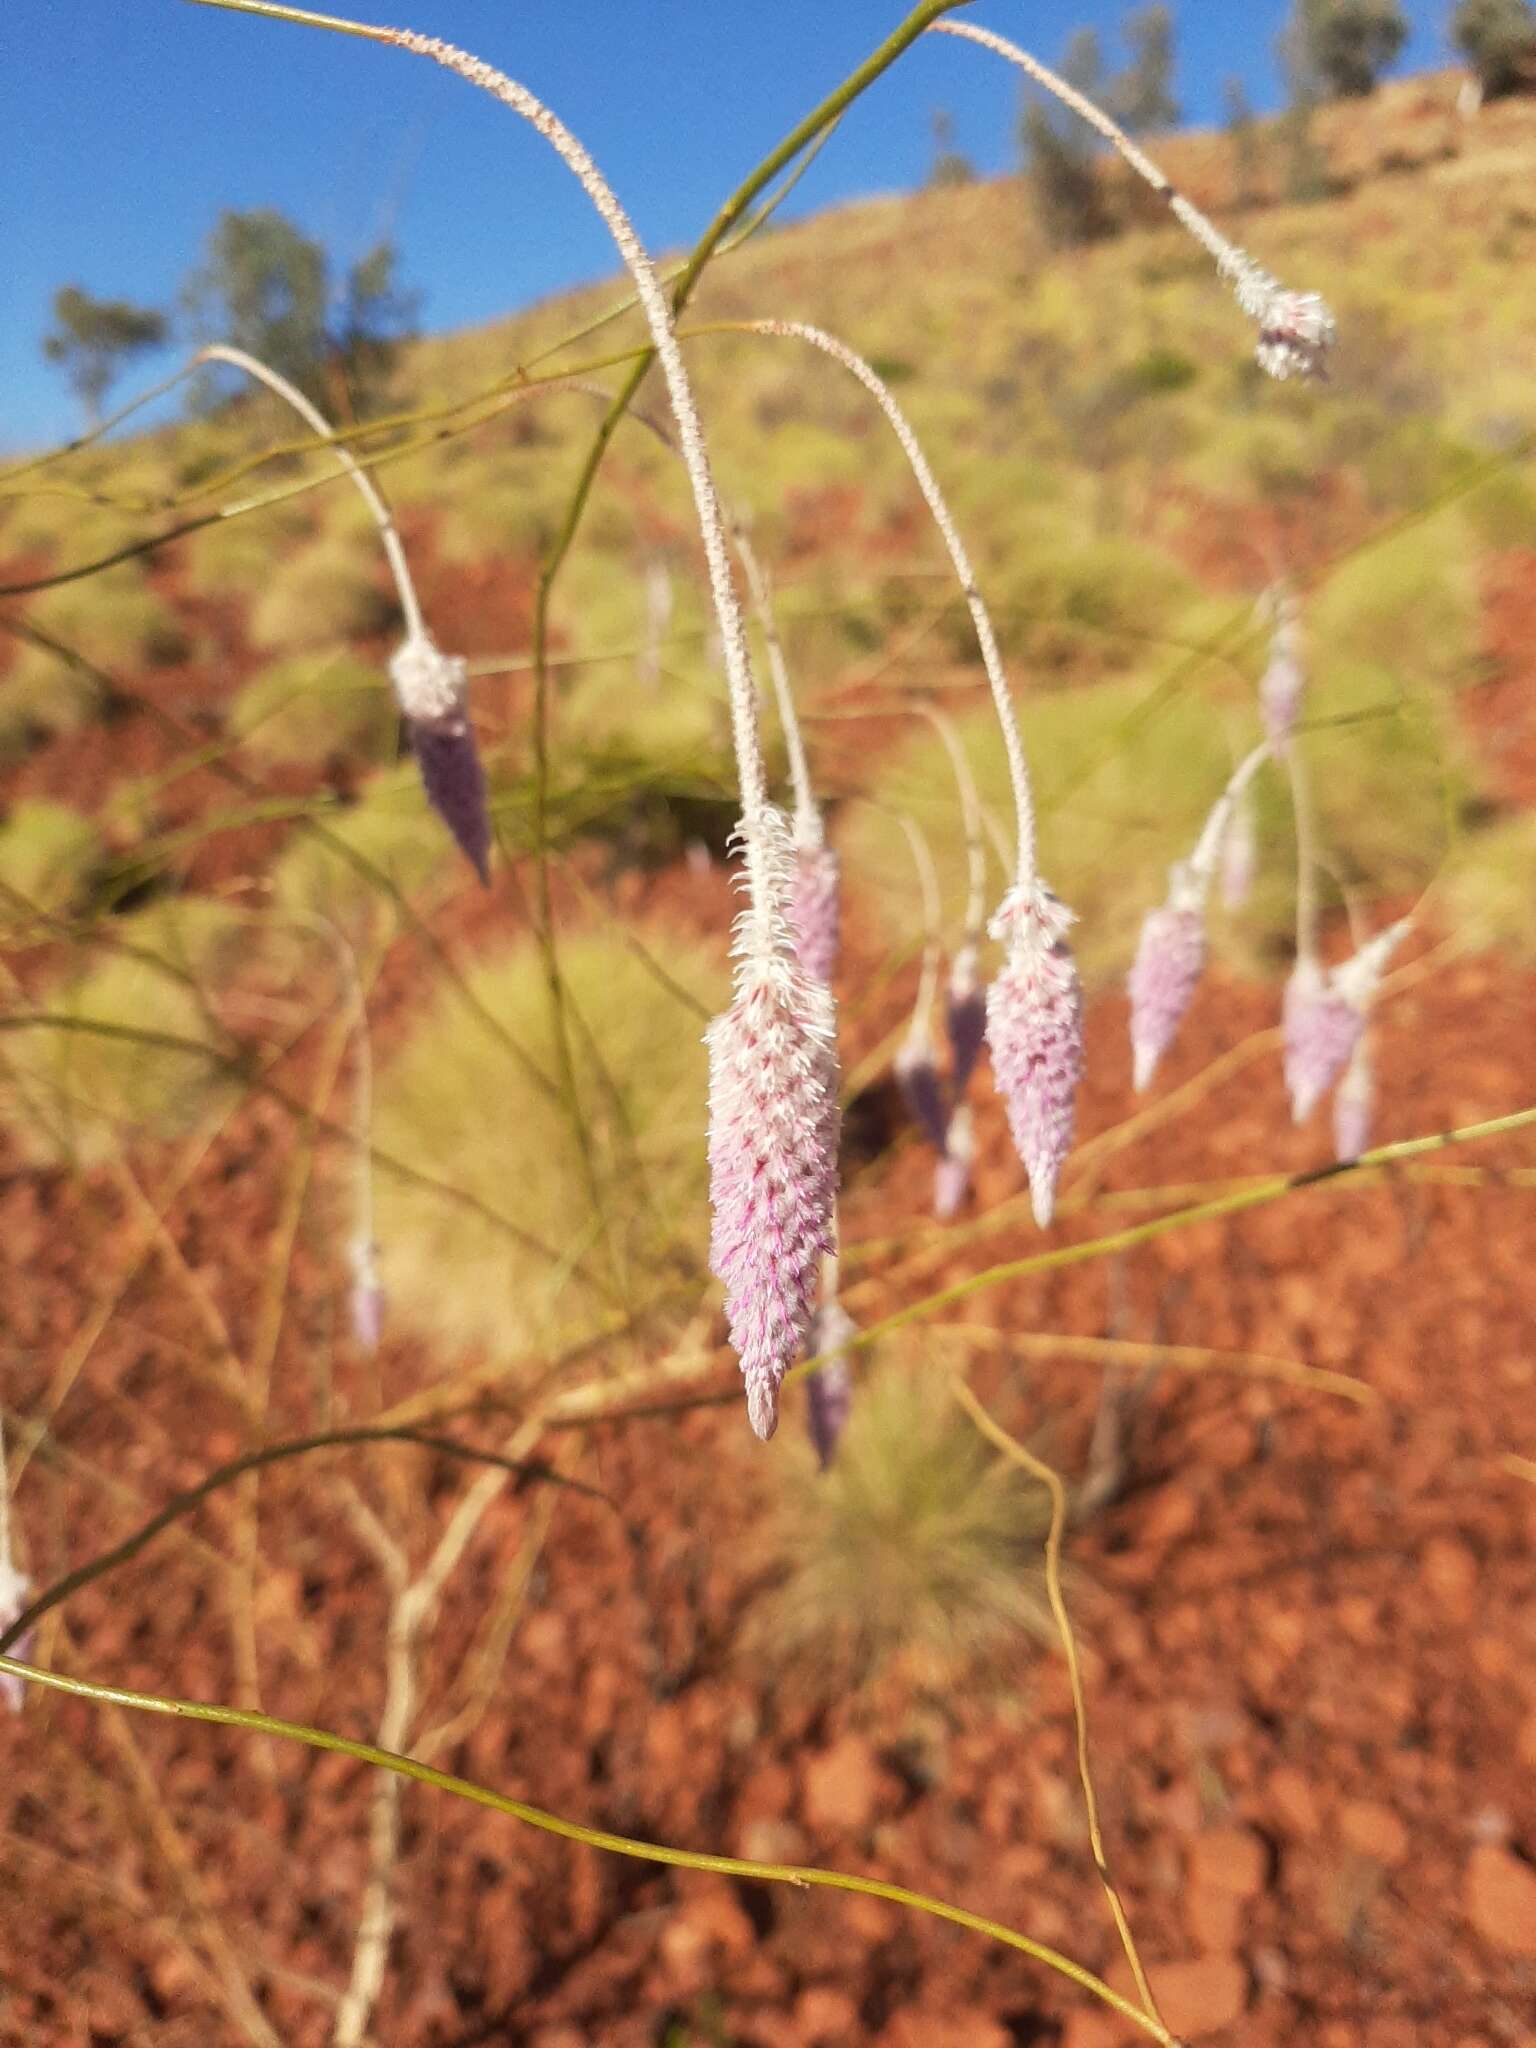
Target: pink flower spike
{"x": 829, "y": 1390}
{"x": 1296, "y": 334}
{"x": 815, "y": 909}
{"x": 773, "y": 1130}
{"x": 1354, "y": 1105}
{"x": 965, "y": 1018}
{"x": 1170, "y": 959}
{"x": 15, "y": 1598}
{"x": 1035, "y": 1030}
{"x": 1322, "y": 1029}
{"x": 952, "y": 1175}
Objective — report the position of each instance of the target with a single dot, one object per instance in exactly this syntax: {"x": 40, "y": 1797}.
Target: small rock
{"x": 1374, "y": 1830}
{"x": 1449, "y": 1571}
{"x": 1293, "y": 1802}
{"x": 1500, "y": 1899}
{"x": 1196, "y": 1997}
{"x": 823, "y": 2013}
{"x": 1229, "y": 1859}
{"x": 844, "y": 1787}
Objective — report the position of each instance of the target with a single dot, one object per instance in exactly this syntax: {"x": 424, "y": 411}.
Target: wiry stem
{"x": 970, "y": 812}
{"x": 807, "y": 827}
{"x": 928, "y": 882}
{"x": 1295, "y": 330}
{"x": 763, "y": 885}
{"x": 1203, "y": 859}
{"x": 373, "y": 497}
{"x": 927, "y": 483}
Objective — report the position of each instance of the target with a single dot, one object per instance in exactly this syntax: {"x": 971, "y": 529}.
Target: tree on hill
{"x": 1347, "y": 44}
{"x": 265, "y": 286}
{"x": 949, "y": 167}
{"x": 92, "y": 339}
{"x": 1498, "y": 39}
{"x": 1059, "y": 154}
{"x": 1142, "y": 97}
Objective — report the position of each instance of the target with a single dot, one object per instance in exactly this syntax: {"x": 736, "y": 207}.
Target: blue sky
{"x": 126, "y": 125}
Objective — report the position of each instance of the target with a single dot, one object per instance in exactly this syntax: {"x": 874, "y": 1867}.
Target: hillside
{"x": 259, "y": 1020}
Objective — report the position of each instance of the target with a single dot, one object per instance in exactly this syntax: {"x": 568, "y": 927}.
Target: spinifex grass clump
{"x": 917, "y": 1553}
{"x": 313, "y": 706}
{"x": 48, "y": 855}
{"x": 531, "y": 1262}
{"x": 75, "y": 1091}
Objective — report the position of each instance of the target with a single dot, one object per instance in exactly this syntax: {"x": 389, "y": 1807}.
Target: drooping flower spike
{"x": 773, "y": 1134}
{"x": 773, "y": 1065}
{"x": 1034, "y": 1007}
{"x": 1035, "y": 1030}
{"x": 1170, "y": 955}
{"x": 1354, "y": 1104}
{"x": 1295, "y": 329}
{"x": 1324, "y": 1016}
{"x": 952, "y": 1173}
{"x": 431, "y": 688}
{"x": 815, "y": 909}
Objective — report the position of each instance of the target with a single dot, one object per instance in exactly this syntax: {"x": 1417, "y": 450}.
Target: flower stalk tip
{"x": 432, "y": 690}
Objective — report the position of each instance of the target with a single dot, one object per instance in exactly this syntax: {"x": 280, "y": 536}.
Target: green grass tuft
{"x": 453, "y": 1102}
{"x": 312, "y": 706}
{"x": 48, "y": 854}
{"x": 330, "y": 590}
{"x": 917, "y": 1551}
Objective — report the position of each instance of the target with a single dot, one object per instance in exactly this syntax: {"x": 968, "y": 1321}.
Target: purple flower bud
{"x": 1239, "y": 854}
{"x": 952, "y": 1175}
{"x": 366, "y": 1300}
{"x": 921, "y": 1090}
{"x": 1354, "y": 1104}
{"x": 965, "y": 1018}
{"x": 1035, "y": 1030}
{"x": 433, "y": 693}
{"x": 1170, "y": 959}
{"x": 15, "y": 1598}
{"x": 815, "y": 910}
{"x": 773, "y": 1129}
{"x": 829, "y": 1390}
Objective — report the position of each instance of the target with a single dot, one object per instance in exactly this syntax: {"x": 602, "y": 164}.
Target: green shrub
{"x": 113, "y": 619}
{"x": 329, "y": 590}
{"x": 76, "y": 1096}
{"x": 312, "y": 706}
{"x": 390, "y": 828}
{"x": 453, "y": 1102}
{"x": 48, "y": 854}
{"x": 918, "y": 1552}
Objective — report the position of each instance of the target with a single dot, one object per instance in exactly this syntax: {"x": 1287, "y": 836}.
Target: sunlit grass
{"x": 917, "y": 1550}
{"x": 313, "y": 706}
{"x": 48, "y": 853}
{"x": 455, "y": 1102}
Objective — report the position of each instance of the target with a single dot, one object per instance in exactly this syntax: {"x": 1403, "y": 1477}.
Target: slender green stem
{"x": 801, "y": 1876}
{"x": 182, "y": 1504}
